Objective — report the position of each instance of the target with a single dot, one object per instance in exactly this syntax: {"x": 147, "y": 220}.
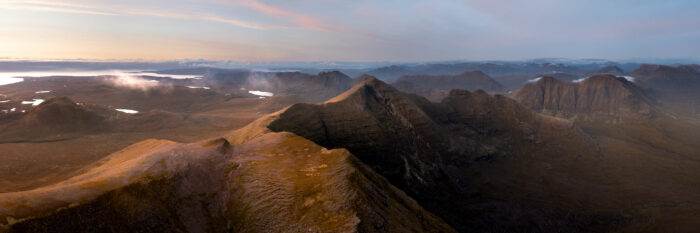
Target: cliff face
{"x": 446, "y": 148}
{"x": 597, "y": 97}
{"x": 272, "y": 182}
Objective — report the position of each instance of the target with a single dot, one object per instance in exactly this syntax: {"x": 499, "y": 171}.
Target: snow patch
{"x": 262, "y": 93}
{"x": 534, "y": 80}
{"x": 629, "y": 78}
{"x": 127, "y": 111}
{"x": 13, "y": 109}
{"x": 580, "y": 80}
{"x": 34, "y": 102}
{"x": 196, "y": 87}
{"x": 4, "y": 101}
{"x": 42, "y": 92}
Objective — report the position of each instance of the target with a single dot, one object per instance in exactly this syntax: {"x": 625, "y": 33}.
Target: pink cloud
{"x": 303, "y": 21}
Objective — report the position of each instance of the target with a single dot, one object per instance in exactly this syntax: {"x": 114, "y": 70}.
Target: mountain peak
{"x": 370, "y": 86}
{"x": 333, "y": 73}
{"x": 59, "y": 108}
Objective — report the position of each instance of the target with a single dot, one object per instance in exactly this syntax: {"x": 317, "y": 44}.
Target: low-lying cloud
{"x": 135, "y": 82}
{"x": 258, "y": 81}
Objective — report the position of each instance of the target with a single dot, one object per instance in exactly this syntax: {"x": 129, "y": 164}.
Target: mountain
{"x": 464, "y": 148}
{"x": 56, "y": 117}
{"x": 678, "y": 87}
{"x": 599, "y": 97}
{"x": 672, "y": 82}
{"x": 667, "y": 75}
{"x": 516, "y": 81}
{"x": 473, "y": 80}
{"x": 374, "y": 159}
{"x": 269, "y": 182}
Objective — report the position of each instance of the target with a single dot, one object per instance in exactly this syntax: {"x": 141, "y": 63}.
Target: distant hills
{"x": 670, "y": 81}
{"x": 435, "y": 87}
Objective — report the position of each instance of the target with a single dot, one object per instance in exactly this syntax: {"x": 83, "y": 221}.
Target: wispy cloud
{"x": 60, "y": 7}
{"x": 240, "y": 23}
{"x": 304, "y": 21}
{"x": 70, "y": 8}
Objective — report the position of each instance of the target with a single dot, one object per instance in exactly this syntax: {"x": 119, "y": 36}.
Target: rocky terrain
{"x": 267, "y": 182}
{"x": 596, "y": 155}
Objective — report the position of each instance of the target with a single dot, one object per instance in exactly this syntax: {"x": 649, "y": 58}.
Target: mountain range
{"x": 606, "y": 153}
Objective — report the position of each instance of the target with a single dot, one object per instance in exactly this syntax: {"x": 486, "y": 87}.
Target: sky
{"x": 348, "y": 30}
